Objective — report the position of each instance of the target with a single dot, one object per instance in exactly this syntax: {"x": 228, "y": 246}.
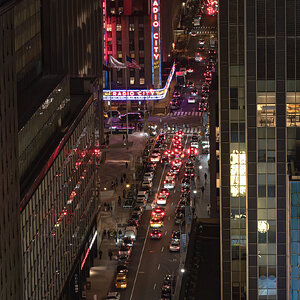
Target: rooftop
{"x": 33, "y": 97}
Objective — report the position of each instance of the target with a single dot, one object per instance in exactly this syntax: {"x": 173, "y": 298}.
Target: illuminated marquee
{"x": 155, "y": 36}
{"x": 238, "y": 173}
{"x": 131, "y": 95}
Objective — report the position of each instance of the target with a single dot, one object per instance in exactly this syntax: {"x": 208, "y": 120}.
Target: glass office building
{"x": 259, "y": 85}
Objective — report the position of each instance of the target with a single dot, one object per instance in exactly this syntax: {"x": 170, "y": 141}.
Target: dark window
{"x": 141, "y": 45}
{"x": 271, "y": 59}
{"x": 290, "y": 20}
{"x": 142, "y": 60}
{"x": 270, "y": 17}
{"x": 261, "y": 155}
{"x": 261, "y": 18}
{"x": 262, "y": 190}
{"x": 261, "y": 59}
{"x": 290, "y": 58}
{"x": 234, "y": 98}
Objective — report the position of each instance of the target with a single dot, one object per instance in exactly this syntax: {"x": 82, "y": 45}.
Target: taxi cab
{"x": 121, "y": 281}
{"x": 156, "y": 223}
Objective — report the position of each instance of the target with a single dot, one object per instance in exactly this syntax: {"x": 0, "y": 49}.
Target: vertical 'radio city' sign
{"x": 156, "y": 56}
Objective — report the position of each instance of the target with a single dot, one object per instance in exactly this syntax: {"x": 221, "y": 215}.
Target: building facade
{"x": 259, "y": 84}
{"x": 10, "y": 250}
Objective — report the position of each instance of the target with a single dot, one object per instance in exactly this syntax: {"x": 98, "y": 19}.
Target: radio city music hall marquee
{"x": 155, "y": 31}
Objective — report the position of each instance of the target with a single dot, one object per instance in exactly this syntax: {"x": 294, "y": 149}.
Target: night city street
{"x": 149, "y": 149}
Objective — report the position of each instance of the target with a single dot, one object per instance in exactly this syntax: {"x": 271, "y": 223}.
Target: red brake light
{"x": 165, "y": 181}
{"x": 151, "y": 234}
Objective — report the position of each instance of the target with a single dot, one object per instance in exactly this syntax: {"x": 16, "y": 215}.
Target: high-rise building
{"x": 50, "y": 124}
{"x": 10, "y": 251}
{"x": 259, "y": 109}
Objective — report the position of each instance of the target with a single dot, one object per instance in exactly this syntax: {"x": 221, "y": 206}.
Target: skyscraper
{"x": 259, "y": 101}
{"x": 10, "y": 251}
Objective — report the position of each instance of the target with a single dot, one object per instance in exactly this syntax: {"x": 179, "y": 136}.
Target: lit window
{"x": 132, "y": 55}
{"x": 131, "y": 80}
{"x": 121, "y": 10}
{"x": 108, "y": 27}
{"x": 113, "y": 11}
{"x": 120, "y": 55}
{"x": 293, "y": 109}
{"x": 119, "y": 27}
{"x": 131, "y": 27}
{"x": 142, "y": 80}
{"x": 266, "y": 110}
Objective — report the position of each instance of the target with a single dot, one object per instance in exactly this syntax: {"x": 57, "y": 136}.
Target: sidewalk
{"x": 102, "y": 274}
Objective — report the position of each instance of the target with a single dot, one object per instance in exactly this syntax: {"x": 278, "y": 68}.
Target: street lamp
{"x": 182, "y": 270}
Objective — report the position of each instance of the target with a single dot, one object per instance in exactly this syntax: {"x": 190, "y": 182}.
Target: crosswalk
{"x": 186, "y": 130}
{"x": 185, "y": 113}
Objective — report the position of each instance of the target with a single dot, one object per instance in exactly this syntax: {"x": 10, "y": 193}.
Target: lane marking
{"x": 141, "y": 257}
{"x": 154, "y": 286}
{"x": 158, "y": 267}
{"x": 166, "y": 232}
{"x": 162, "y": 249}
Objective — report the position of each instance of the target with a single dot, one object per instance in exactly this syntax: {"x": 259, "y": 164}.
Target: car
{"x": 113, "y": 296}
{"x": 176, "y": 143}
{"x": 159, "y": 212}
{"x": 176, "y": 235}
{"x": 164, "y": 191}
{"x": 191, "y": 100}
{"x": 189, "y": 165}
{"x": 205, "y": 147}
{"x": 123, "y": 259}
{"x": 180, "y": 133}
{"x": 192, "y": 151}
{"x": 164, "y": 159}
{"x": 174, "y": 104}
{"x": 155, "y": 234}
{"x": 177, "y": 163}
{"x": 170, "y": 176}
{"x": 148, "y": 176}
{"x": 169, "y": 184}
{"x": 176, "y": 94}
{"x": 135, "y": 216}
{"x": 194, "y": 144}
{"x": 201, "y": 42}
{"x": 131, "y": 117}
{"x": 122, "y": 269}
{"x": 176, "y": 138}
{"x": 185, "y": 182}
{"x": 179, "y": 219}
{"x": 156, "y": 223}
{"x": 121, "y": 282}
{"x": 174, "y": 245}
{"x": 195, "y": 137}
{"x": 198, "y": 57}
{"x": 161, "y": 200}
{"x": 189, "y": 173}
{"x": 194, "y": 92}
{"x": 124, "y": 249}
{"x": 175, "y": 170}
{"x": 128, "y": 241}
{"x": 155, "y": 157}
{"x": 166, "y": 292}
{"x": 147, "y": 184}
{"x": 190, "y": 84}
{"x": 151, "y": 167}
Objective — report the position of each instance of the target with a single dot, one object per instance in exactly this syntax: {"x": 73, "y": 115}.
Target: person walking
{"x": 110, "y": 254}
{"x": 126, "y": 165}
{"x": 202, "y": 189}
{"x": 119, "y": 201}
{"x": 108, "y": 234}
{"x": 104, "y": 234}
{"x": 205, "y": 176}
{"x": 100, "y": 254}
{"x": 208, "y": 209}
{"x": 124, "y": 193}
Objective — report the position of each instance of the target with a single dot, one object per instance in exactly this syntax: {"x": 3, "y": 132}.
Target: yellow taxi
{"x": 105, "y": 115}
{"x": 156, "y": 222}
{"x": 121, "y": 281}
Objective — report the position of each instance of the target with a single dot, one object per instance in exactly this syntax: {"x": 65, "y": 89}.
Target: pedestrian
{"x": 117, "y": 182}
{"x": 104, "y": 234}
{"x": 110, "y": 254}
{"x": 126, "y": 165}
{"x": 112, "y": 185}
{"x": 123, "y": 137}
{"x": 121, "y": 180}
{"x": 202, "y": 189}
{"x": 119, "y": 201}
{"x": 108, "y": 234}
{"x": 100, "y": 254}
{"x": 120, "y": 233}
{"x": 205, "y": 176}
{"x": 124, "y": 175}
{"x": 208, "y": 209}
{"x": 124, "y": 193}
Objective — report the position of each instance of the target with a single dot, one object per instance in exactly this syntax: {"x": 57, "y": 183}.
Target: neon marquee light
{"x": 155, "y": 37}
{"x": 152, "y": 94}
{"x": 88, "y": 250}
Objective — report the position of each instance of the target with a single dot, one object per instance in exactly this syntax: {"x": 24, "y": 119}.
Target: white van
{"x": 131, "y": 232}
